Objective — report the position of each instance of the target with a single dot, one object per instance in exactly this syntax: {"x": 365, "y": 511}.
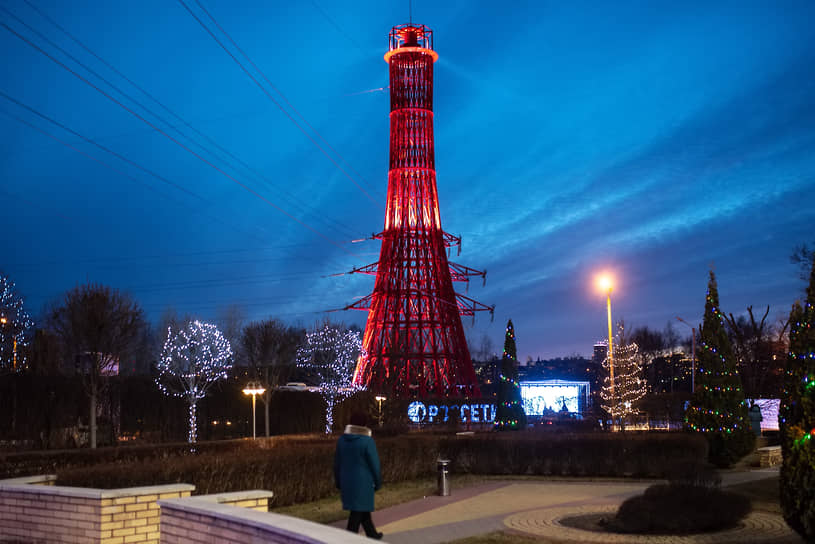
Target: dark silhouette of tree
{"x": 98, "y": 328}
{"x": 510, "y": 413}
{"x": 270, "y": 348}
{"x": 754, "y": 345}
{"x": 717, "y": 408}
{"x": 797, "y": 419}
{"x": 804, "y": 257}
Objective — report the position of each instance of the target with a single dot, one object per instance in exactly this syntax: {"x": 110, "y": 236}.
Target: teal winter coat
{"x": 356, "y": 469}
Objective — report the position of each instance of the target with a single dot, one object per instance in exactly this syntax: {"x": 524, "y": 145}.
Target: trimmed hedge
{"x": 299, "y": 469}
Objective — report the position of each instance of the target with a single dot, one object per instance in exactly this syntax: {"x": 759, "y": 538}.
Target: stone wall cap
{"x": 297, "y": 530}
{"x": 234, "y": 496}
{"x": 24, "y": 485}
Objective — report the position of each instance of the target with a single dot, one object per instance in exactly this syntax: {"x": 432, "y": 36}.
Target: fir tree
{"x": 717, "y": 408}
{"x": 797, "y": 420}
{"x": 510, "y": 413}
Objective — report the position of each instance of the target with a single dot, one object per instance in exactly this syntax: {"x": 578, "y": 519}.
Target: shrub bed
{"x": 646, "y": 455}
{"x": 680, "y": 509}
{"x": 299, "y": 469}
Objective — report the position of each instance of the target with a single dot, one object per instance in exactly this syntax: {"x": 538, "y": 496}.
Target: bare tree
{"x": 754, "y": 347}
{"x": 270, "y": 348}
{"x": 230, "y": 320}
{"x": 193, "y": 359}
{"x": 14, "y": 326}
{"x": 804, "y": 258}
{"x": 330, "y": 354}
{"x": 98, "y": 327}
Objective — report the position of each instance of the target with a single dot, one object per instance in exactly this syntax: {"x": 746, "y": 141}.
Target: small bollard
{"x": 443, "y": 466}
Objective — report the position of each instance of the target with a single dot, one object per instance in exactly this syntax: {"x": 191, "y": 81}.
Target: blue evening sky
{"x": 652, "y": 139}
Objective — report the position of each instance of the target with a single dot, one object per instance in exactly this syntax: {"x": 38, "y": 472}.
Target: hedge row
{"x": 300, "y": 470}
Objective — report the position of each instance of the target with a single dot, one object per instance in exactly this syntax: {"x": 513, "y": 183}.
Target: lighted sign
{"x": 419, "y": 412}
{"x": 550, "y": 396}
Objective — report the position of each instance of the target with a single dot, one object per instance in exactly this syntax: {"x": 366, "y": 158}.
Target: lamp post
{"x": 693, "y": 354}
{"x": 605, "y": 284}
{"x": 379, "y": 400}
{"x": 254, "y": 389}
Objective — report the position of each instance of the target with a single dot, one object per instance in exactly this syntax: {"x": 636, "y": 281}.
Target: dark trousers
{"x": 354, "y": 520}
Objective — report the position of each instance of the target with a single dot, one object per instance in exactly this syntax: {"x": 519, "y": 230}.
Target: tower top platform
{"x": 410, "y": 38}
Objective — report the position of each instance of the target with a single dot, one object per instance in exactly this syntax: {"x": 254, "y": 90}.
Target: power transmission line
{"x": 275, "y": 102}
{"x": 174, "y": 140}
{"x": 292, "y": 200}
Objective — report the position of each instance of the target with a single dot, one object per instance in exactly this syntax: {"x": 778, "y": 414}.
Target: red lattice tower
{"x": 414, "y": 344}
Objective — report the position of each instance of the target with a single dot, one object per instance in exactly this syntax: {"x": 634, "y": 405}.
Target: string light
{"x": 510, "y": 410}
{"x": 192, "y": 360}
{"x": 14, "y": 325}
{"x": 331, "y": 354}
{"x": 629, "y": 387}
{"x": 718, "y": 404}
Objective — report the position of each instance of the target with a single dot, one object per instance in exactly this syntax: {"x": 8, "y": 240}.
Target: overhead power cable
{"x": 292, "y": 200}
{"x": 174, "y": 140}
{"x": 111, "y": 167}
{"x": 268, "y": 94}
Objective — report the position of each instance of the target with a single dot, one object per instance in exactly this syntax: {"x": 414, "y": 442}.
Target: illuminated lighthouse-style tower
{"x": 414, "y": 344}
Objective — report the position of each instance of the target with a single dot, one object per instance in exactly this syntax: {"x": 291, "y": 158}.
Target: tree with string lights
{"x": 329, "y": 354}
{"x": 797, "y": 419}
{"x": 629, "y": 386}
{"x": 14, "y": 326}
{"x": 717, "y": 408}
{"x": 193, "y": 359}
{"x": 509, "y": 414}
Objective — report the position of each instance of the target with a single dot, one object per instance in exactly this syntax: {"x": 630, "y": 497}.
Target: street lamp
{"x": 693, "y": 354}
{"x": 605, "y": 283}
{"x": 379, "y": 399}
{"x": 254, "y": 389}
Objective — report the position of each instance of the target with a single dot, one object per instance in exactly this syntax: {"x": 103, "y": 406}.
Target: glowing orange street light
{"x": 606, "y": 283}
{"x": 254, "y": 389}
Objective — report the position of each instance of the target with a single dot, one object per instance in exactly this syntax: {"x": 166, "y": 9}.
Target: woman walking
{"x": 357, "y": 474}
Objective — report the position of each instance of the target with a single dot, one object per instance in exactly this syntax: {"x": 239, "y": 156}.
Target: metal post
{"x": 444, "y": 478}
{"x": 611, "y": 359}
{"x": 254, "y": 436}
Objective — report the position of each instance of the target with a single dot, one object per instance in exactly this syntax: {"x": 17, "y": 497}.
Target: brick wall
{"x": 202, "y": 520}
{"x": 46, "y": 513}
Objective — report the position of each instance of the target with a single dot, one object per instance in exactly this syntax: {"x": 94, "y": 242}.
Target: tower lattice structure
{"x": 414, "y": 344}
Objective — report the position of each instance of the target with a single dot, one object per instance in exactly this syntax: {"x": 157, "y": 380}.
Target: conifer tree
{"x": 717, "y": 408}
{"x": 797, "y": 420}
{"x": 510, "y": 412}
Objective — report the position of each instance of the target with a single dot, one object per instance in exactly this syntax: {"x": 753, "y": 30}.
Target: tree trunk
{"x": 329, "y": 414}
{"x": 267, "y": 396}
{"x": 192, "y": 437}
{"x": 92, "y": 415}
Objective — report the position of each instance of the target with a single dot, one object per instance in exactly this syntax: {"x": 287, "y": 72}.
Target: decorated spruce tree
{"x": 717, "y": 408}
{"x": 510, "y": 412}
{"x": 797, "y": 420}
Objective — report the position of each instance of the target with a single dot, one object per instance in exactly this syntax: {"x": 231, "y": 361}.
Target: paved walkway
{"x": 533, "y": 508}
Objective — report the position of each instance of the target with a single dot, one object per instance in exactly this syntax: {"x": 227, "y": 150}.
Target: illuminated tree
{"x": 717, "y": 408}
{"x": 98, "y": 327}
{"x": 270, "y": 348}
{"x": 629, "y": 385}
{"x": 330, "y": 355}
{"x": 193, "y": 359}
{"x": 14, "y": 325}
{"x": 797, "y": 420}
{"x": 510, "y": 411}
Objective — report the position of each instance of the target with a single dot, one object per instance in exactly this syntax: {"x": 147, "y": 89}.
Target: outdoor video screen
{"x": 538, "y": 398}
